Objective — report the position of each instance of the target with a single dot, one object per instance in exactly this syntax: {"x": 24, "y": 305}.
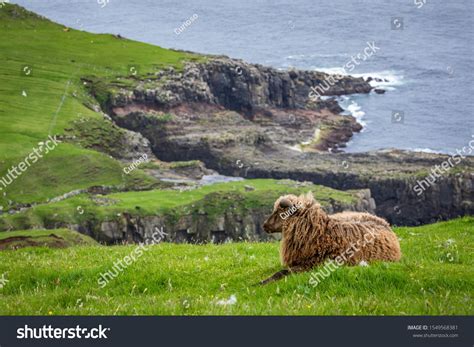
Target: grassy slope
{"x": 57, "y": 59}
{"x": 435, "y": 276}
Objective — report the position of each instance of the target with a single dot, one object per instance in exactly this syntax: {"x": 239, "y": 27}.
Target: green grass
{"x": 434, "y": 277}
{"x": 56, "y": 97}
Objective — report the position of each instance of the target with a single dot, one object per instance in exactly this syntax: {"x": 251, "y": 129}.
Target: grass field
{"x": 434, "y": 277}
{"x": 41, "y": 93}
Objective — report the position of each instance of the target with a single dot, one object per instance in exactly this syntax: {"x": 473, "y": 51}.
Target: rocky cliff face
{"x": 238, "y": 86}
{"x": 256, "y": 93}
{"x": 246, "y": 88}
{"x": 256, "y": 122}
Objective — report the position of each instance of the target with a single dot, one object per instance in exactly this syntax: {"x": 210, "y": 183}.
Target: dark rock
{"x": 249, "y": 188}
{"x": 239, "y": 86}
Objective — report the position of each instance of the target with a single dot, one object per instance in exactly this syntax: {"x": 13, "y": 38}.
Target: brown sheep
{"x": 310, "y": 236}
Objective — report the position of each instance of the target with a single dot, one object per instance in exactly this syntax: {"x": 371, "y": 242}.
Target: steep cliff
{"x": 257, "y": 94}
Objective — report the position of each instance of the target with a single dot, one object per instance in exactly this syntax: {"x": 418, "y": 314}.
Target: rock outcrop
{"x": 258, "y": 94}
{"x": 238, "y": 86}
{"x": 256, "y": 122}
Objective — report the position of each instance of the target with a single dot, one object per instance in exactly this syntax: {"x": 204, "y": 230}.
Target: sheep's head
{"x": 286, "y": 208}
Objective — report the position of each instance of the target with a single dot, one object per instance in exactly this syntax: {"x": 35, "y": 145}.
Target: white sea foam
{"x": 331, "y": 70}
{"x": 356, "y": 111}
{"x": 427, "y": 150}
{"x": 388, "y": 79}
{"x": 315, "y": 55}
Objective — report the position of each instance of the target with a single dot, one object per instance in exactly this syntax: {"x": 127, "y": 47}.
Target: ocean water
{"x": 424, "y": 57}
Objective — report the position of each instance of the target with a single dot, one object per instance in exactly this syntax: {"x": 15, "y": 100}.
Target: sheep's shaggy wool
{"x": 310, "y": 236}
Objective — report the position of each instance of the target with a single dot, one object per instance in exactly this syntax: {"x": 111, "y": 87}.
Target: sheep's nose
{"x": 267, "y": 227}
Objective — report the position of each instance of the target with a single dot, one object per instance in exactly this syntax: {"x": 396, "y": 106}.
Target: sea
{"x": 424, "y": 57}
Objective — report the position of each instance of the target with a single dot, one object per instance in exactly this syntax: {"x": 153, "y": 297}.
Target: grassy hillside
{"x": 435, "y": 276}
{"x": 41, "y": 93}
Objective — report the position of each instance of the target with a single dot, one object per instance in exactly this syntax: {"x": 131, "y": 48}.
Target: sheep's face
{"x": 273, "y": 224}
{"x": 284, "y": 209}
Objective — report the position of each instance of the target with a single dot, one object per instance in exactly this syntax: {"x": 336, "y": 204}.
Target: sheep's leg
{"x": 281, "y": 274}
{"x": 275, "y": 277}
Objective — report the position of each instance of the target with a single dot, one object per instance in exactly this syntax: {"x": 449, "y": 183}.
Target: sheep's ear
{"x": 285, "y": 203}
{"x": 310, "y": 197}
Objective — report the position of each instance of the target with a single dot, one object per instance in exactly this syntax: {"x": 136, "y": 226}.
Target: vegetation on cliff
{"x": 211, "y": 200}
